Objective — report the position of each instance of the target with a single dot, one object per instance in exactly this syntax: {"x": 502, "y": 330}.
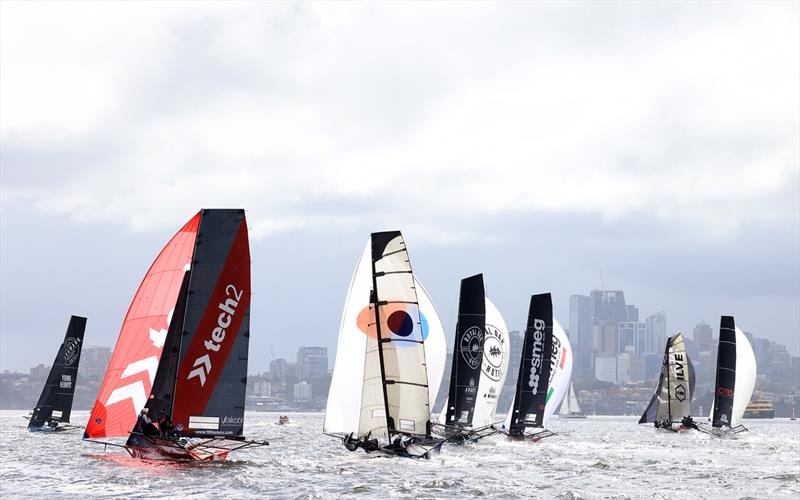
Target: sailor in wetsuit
{"x": 146, "y": 425}
{"x": 688, "y": 422}
{"x": 165, "y": 426}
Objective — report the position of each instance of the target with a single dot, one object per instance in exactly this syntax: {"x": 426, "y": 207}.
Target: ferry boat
{"x": 759, "y": 409}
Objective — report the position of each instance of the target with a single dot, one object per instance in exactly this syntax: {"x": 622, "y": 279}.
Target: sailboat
{"x": 175, "y": 385}
{"x": 53, "y": 409}
{"x": 543, "y": 381}
{"x": 736, "y": 379}
{"x": 569, "y": 406}
{"x": 390, "y": 357}
{"x": 480, "y": 364}
{"x": 672, "y": 401}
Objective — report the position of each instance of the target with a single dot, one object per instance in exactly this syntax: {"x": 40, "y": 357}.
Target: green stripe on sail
{"x": 549, "y": 393}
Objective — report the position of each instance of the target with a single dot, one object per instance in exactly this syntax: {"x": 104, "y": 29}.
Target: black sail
{"x": 726, "y": 373}
{"x": 55, "y": 402}
{"x": 467, "y": 351}
{"x": 534, "y": 369}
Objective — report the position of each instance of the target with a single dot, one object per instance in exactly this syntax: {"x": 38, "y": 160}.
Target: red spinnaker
{"x": 133, "y": 365}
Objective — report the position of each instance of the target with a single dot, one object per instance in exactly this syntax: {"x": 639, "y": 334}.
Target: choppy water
{"x": 602, "y": 457}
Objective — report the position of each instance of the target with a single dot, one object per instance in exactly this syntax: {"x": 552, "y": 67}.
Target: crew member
{"x": 165, "y": 426}
{"x": 146, "y": 424}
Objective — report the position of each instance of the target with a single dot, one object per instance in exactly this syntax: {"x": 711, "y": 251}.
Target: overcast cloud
{"x": 536, "y": 142}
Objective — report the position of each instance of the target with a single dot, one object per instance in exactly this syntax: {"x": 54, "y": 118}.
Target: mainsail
{"x": 672, "y": 399}
{"x": 736, "y": 375}
{"x": 199, "y": 381}
{"x": 55, "y": 402}
{"x": 550, "y": 388}
{"x": 353, "y": 367}
{"x": 468, "y": 352}
{"x": 528, "y": 408}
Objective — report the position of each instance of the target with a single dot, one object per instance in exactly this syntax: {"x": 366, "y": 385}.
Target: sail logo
{"x": 678, "y": 361}
{"x": 724, "y": 391}
{"x": 202, "y": 365}
{"x": 536, "y": 355}
{"x": 232, "y": 420}
{"x": 680, "y": 392}
{"x": 493, "y": 350}
{"x": 472, "y": 346}
{"x": 66, "y": 382}
{"x": 71, "y": 350}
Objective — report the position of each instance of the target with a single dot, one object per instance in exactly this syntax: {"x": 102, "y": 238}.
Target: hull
{"x": 165, "y": 449}
{"x": 573, "y": 415}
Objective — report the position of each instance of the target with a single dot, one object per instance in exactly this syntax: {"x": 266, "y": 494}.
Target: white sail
{"x": 494, "y": 368}
{"x": 560, "y": 374}
{"x": 570, "y": 404}
{"x": 745, "y": 377}
{"x": 679, "y": 397}
{"x": 342, "y": 413}
{"x": 435, "y": 342}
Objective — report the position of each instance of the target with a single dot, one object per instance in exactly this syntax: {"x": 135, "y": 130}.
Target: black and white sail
{"x": 55, "y": 402}
{"x": 467, "y": 352}
{"x": 672, "y": 399}
{"x": 736, "y": 376}
{"x": 528, "y": 409}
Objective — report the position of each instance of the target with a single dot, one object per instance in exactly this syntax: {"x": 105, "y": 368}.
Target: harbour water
{"x": 601, "y": 457}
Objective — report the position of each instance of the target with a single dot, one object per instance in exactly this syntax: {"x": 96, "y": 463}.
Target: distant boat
{"x": 175, "y": 385}
{"x": 543, "y": 379}
{"x": 672, "y": 401}
{"x": 759, "y": 409}
{"x": 570, "y": 407}
{"x": 389, "y": 358}
{"x": 52, "y": 411}
{"x": 480, "y": 363}
{"x": 736, "y": 379}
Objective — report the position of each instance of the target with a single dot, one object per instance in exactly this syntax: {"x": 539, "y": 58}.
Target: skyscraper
{"x": 702, "y": 336}
{"x": 316, "y": 361}
{"x": 656, "y": 332}
{"x": 580, "y": 331}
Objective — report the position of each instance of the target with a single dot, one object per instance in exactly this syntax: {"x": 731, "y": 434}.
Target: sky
{"x": 642, "y": 146}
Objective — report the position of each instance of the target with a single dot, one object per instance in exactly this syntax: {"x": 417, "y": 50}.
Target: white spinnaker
{"x": 561, "y": 371}
{"x": 494, "y": 367}
{"x": 745, "y": 377}
{"x": 342, "y": 413}
{"x": 746, "y": 373}
{"x": 560, "y": 374}
{"x": 435, "y": 342}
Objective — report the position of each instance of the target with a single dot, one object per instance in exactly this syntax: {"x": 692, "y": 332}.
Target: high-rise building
{"x": 633, "y": 312}
{"x": 515, "y": 340}
{"x": 656, "y": 332}
{"x": 580, "y": 327}
{"x": 94, "y": 362}
{"x": 278, "y": 370}
{"x": 702, "y": 335}
{"x": 605, "y": 368}
{"x": 315, "y": 359}
{"x": 608, "y": 305}
{"x": 604, "y": 338}
{"x": 631, "y": 337}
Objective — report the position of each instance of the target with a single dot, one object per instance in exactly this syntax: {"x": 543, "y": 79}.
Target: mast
{"x": 55, "y": 401}
{"x": 468, "y": 352}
